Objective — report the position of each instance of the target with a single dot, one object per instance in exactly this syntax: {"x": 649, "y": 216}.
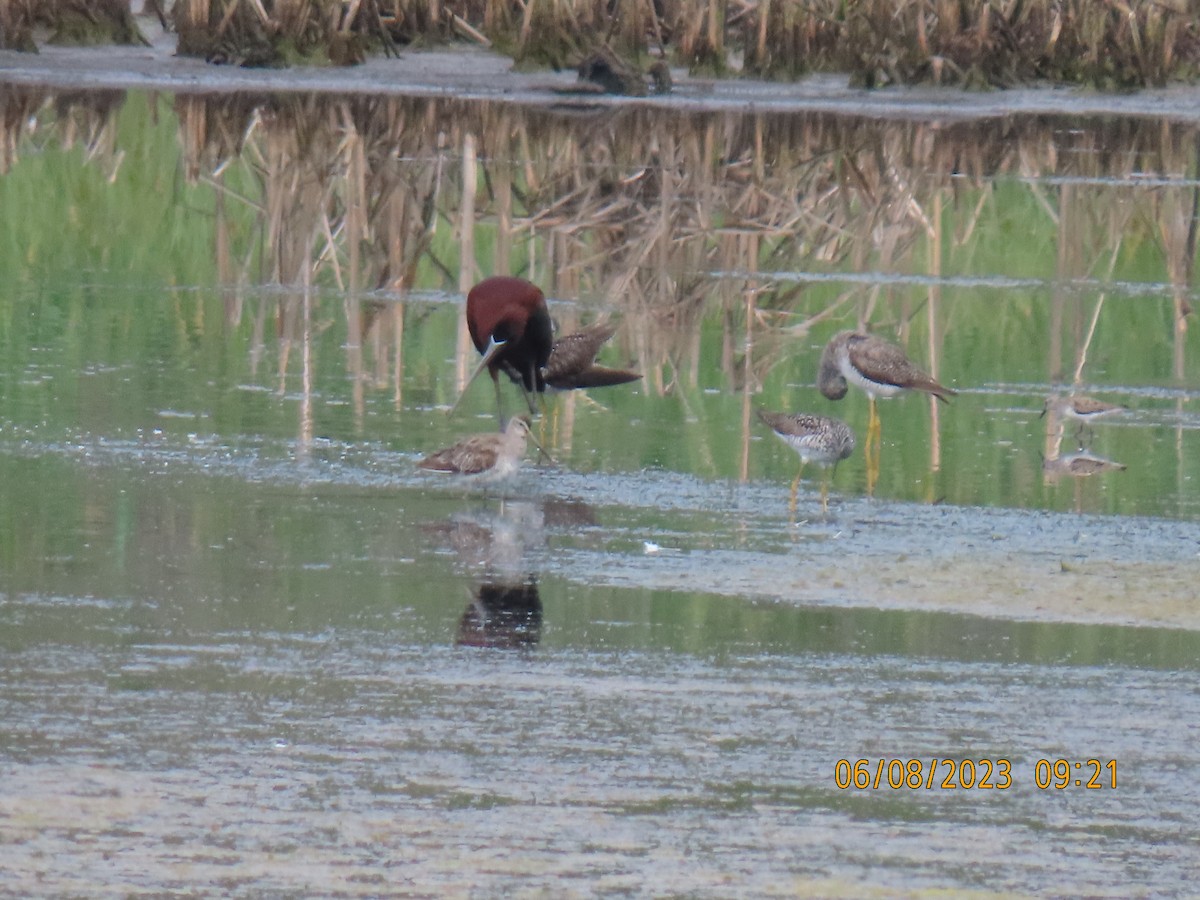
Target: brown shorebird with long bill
{"x": 496, "y": 454}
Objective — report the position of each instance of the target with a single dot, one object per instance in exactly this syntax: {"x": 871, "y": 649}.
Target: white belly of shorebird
{"x": 811, "y": 450}
{"x": 505, "y": 467}
{"x": 873, "y": 389}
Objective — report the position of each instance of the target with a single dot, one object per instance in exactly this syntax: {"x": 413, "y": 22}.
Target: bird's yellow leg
{"x": 824, "y": 496}
{"x": 871, "y": 452}
{"x": 871, "y": 422}
{"x": 794, "y": 499}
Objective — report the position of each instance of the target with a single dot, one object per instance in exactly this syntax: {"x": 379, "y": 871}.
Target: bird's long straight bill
{"x": 494, "y": 346}
{"x": 542, "y": 450}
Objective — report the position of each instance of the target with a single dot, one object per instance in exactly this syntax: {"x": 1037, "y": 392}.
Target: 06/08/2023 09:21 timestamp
{"x": 970, "y": 774}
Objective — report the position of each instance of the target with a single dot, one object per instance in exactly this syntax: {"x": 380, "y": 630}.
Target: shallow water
{"x": 246, "y": 646}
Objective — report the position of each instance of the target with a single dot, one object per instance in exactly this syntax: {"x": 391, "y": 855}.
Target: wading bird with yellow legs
{"x": 881, "y": 370}
{"x": 817, "y": 439}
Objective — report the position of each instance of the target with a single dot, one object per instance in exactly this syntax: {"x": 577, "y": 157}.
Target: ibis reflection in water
{"x": 510, "y": 326}
{"x": 502, "y": 614}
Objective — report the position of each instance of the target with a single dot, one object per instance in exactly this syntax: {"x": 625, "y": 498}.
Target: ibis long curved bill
{"x": 493, "y": 349}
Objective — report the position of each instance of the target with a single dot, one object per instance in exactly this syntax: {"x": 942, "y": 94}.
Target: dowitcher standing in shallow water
{"x": 821, "y": 440}
{"x": 496, "y": 454}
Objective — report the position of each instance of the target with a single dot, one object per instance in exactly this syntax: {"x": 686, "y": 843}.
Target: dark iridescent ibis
{"x": 496, "y": 454}
{"x": 821, "y": 440}
{"x": 572, "y": 362}
{"x": 510, "y": 326}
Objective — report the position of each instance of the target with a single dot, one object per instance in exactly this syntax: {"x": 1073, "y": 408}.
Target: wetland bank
{"x": 248, "y": 647}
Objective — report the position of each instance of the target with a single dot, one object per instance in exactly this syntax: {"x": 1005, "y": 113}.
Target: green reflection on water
{"x": 111, "y": 329}
{"x": 102, "y": 557}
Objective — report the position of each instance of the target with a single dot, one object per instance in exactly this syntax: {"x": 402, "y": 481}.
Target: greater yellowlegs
{"x": 497, "y": 454}
{"x": 875, "y": 366}
{"x": 879, "y": 369}
{"x": 821, "y": 440}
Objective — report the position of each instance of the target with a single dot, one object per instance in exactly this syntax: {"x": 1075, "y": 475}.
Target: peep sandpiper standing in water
{"x": 496, "y": 455}
{"x": 818, "y": 439}
{"x": 1084, "y": 410}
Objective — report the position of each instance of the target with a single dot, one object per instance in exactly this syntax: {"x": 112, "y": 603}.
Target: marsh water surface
{"x": 246, "y": 646}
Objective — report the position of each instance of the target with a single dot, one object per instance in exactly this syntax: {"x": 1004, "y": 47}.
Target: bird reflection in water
{"x": 1083, "y": 463}
{"x": 502, "y": 615}
{"x": 1078, "y": 465}
{"x": 495, "y": 547}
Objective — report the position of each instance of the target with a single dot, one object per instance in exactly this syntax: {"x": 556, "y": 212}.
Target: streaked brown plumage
{"x": 818, "y": 439}
{"x": 497, "y": 453}
{"x": 572, "y": 361}
{"x": 875, "y": 366}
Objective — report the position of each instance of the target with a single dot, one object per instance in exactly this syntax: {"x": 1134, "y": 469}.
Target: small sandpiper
{"x": 1084, "y": 410}
{"x": 818, "y": 439}
{"x": 496, "y": 454}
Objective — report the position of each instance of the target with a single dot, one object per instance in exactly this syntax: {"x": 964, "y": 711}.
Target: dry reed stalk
{"x": 18, "y": 107}
{"x": 17, "y": 18}
{"x": 700, "y": 34}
